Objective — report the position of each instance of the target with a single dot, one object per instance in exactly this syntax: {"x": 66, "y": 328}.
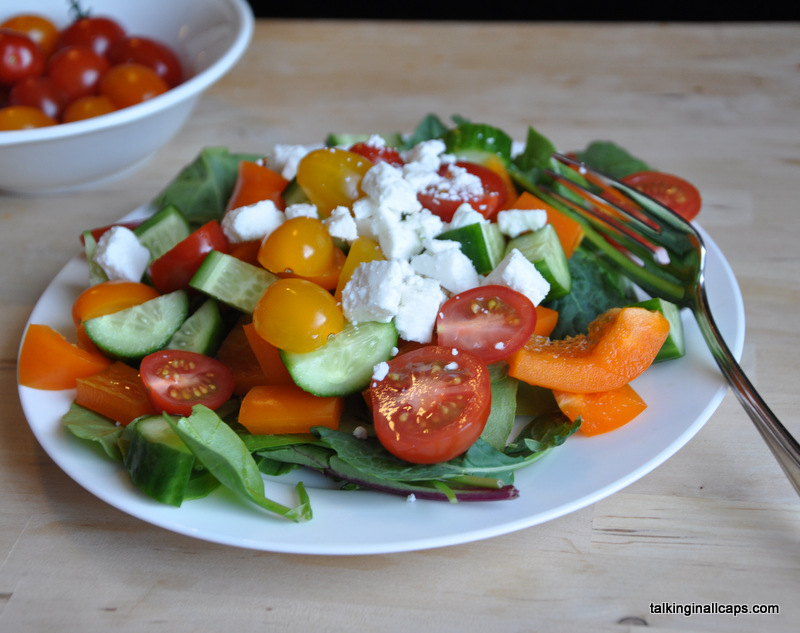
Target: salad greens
{"x": 226, "y": 454}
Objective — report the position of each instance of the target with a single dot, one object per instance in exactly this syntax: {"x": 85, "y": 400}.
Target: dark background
{"x": 541, "y": 10}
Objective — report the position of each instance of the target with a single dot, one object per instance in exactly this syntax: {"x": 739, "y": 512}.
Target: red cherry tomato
{"x": 490, "y": 321}
{"x": 151, "y": 53}
{"x": 98, "y": 33}
{"x": 128, "y": 84}
{"x": 378, "y": 153}
{"x": 20, "y": 57}
{"x": 672, "y": 191}
{"x": 77, "y": 70}
{"x": 173, "y": 270}
{"x": 445, "y": 197}
{"x": 37, "y": 27}
{"x": 432, "y": 405}
{"x": 39, "y": 92}
{"x": 176, "y": 380}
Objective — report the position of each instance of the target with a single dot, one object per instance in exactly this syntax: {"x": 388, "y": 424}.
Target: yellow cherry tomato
{"x": 302, "y": 247}
{"x": 297, "y": 315}
{"x": 331, "y": 177}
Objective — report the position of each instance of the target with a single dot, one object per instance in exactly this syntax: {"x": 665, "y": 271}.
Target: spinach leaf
{"x": 202, "y": 188}
{"x": 88, "y": 425}
{"x": 430, "y": 127}
{"x": 217, "y": 446}
{"x": 595, "y": 289}
{"x": 611, "y": 159}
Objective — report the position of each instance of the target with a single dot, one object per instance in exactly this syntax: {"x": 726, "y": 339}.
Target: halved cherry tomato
{"x": 489, "y": 321}
{"x": 378, "y": 153}
{"x": 176, "y": 380}
{"x": 173, "y": 270}
{"x": 99, "y": 33}
{"x": 672, "y": 191}
{"x": 20, "y": 57}
{"x": 445, "y": 197}
{"x": 297, "y": 315}
{"x": 151, "y": 53}
{"x": 116, "y": 392}
{"x": 432, "y": 405}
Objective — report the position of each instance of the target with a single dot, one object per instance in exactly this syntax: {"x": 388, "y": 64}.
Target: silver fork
{"x": 665, "y": 256}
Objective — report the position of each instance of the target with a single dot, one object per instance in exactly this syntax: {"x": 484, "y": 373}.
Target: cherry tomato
{"x": 97, "y": 32}
{"x": 297, "y": 315}
{"x": 378, "y": 153}
{"x": 489, "y": 321}
{"x": 672, "y": 191}
{"x": 23, "y": 118}
{"x": 87, "y": 107}
{"x": 76, "y": 70}
{"x": 331, "y": 177}
{"x": 20, "y": 57}
{"x": 128, "y": 84}
{"x": 173, "y": 270}
{"x": 177, "y": 380}
{"x": 432, "y": 404}
{"x": 487, "y": 197}
{"x": 299, "y": 247}
{"x": 38, "y": 28}
{"x": 150, "y": 53}
{"x": 39, "y": 92}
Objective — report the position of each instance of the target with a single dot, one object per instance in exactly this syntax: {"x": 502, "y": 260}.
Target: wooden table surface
{"x": 716, "y": 524}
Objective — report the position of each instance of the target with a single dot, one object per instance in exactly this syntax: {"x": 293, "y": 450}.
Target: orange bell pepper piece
{"x": 254, "y": 183}
{"x": 603, "y": 411}
{"x": 117, "y": 392}
{"x": 619, "y": 346}
{"x": 546, "y": 321}
{"x": 268, "y": 357}
{"x": 236, "y": 354}
{"x": 49, "y": 361}
{"x": 277, "y": 409}
{"x": 570, "y": 232}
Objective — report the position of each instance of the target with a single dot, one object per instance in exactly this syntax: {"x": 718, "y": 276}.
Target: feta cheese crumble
{"x": 518, "y": 273}
{"x": 121, "y": 255}
{"x": 514, "y": 222}
{"x": 252, "y": 222}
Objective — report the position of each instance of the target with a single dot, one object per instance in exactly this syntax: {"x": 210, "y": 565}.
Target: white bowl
{"x": 209, "y": 37}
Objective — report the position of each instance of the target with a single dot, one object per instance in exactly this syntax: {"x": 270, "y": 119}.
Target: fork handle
{"x": 782, "y": 444}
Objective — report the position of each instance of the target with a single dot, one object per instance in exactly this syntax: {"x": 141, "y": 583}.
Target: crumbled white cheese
{"x": 380, "y": 371}
{"x": 341, "y": 225}
{"x": 465, "y": 215}
{"x": 420, "y": 301}
{"x": 385, "y": 185}
{"x": 374, "y": 291}
{"x": 518, "y": 273}
{"x": 513, "y": 222}
{"x": 252, "y": 222}
{"x": 449, "y": 266}
{"x": 121, "y": 255}
{"x": 301, "y": 210}
{"x": 360, "y": 433}
{"x": 285, "y": 158}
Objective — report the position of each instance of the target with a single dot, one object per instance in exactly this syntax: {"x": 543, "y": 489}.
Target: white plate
{"x": 681, "y": 395}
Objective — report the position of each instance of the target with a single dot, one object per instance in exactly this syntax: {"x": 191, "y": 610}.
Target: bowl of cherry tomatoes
{"x": 90, "y": 90}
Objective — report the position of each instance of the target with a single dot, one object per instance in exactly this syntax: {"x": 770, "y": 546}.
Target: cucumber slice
{"x": 158, "y": 461}
{"x": 138, "y": 331}
{"x": 345, "y": 364}
{"x": 544, "y": 249}
{"x": 476, "y": 142}
{"x": 96, "y": 273}
{"x": 232, "y": 281}
{"x": 484, "y": 244}
{"x": 293, "y": 193}
{"x": 674, "y": 346}
{"x": 163, "y": 230}
{"x": 201, "y": 332}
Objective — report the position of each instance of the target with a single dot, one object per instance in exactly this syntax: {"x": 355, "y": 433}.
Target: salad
{"x": 407, "y": 314}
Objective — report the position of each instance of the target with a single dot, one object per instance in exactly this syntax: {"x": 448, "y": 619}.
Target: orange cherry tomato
{"x": 297, "y": 315}
{"x": 130, "y": 83}
{"x": 87, "y": 107}
{"x": 108, "y": 297}
{"x": 23, "y": 118}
